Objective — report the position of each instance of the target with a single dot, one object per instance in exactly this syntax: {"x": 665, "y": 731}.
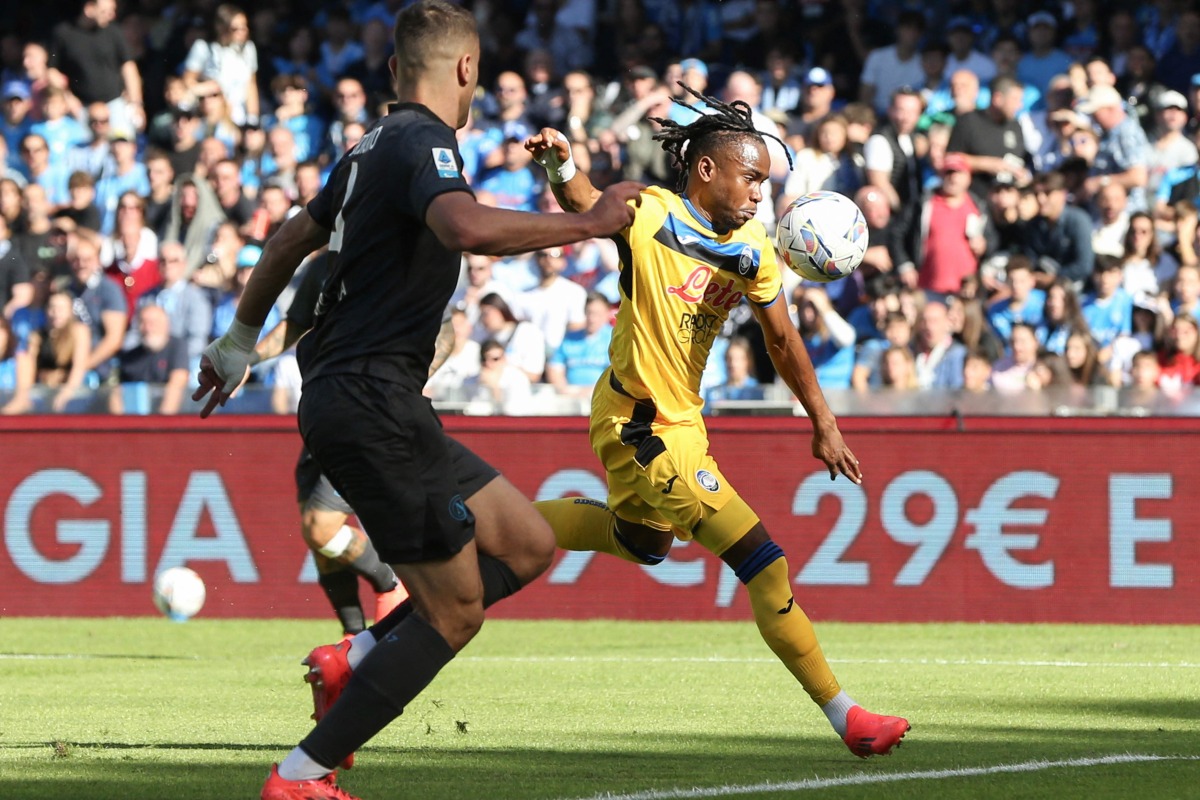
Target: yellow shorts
{"x": 662, "y": 476}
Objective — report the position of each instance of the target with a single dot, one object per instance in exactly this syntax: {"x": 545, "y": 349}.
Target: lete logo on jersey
{"x": 699, "y": 287}
{"x": 443, "y": 161}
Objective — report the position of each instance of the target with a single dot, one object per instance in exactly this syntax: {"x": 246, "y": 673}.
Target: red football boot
{"x": 870, "y": 734}
{"x": 326, "y": 788}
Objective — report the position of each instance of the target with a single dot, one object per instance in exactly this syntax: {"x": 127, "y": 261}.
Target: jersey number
{"x": 339, "y": 224}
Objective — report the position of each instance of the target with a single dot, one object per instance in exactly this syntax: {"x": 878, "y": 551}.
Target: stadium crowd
{"x": 1028, "y": 172}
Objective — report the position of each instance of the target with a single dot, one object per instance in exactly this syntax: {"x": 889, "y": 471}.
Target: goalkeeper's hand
{"x": 225, "y": 366}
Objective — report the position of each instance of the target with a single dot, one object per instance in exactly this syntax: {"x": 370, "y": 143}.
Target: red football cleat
{"x": 870, "y": 734}
{"x": 277, "y": 788}
{"x": 328, "y": 673}
{"x": 385, "y": 602}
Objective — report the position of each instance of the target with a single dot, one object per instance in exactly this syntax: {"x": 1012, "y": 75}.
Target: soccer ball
{"x": 822, "y": 236}
{"x": 179, "y": 593}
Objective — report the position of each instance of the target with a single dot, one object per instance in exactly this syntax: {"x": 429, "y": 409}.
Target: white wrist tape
{"x": 243, "y": 336}
{"x": 557, "y": 171}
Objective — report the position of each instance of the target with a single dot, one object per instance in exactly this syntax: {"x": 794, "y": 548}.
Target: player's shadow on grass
{"x": 1176, "y": 708}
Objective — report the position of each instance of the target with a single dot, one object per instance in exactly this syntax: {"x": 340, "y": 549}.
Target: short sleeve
{"x": 112, "y": 298}
{"x": 430, "y": 165}
{"x": 767, "y": 284}
{"x": 177, "y": 354}
{"x": 321, "y": 207}
{"x": 878, "y": 154}
{"x": 250, "y": 53}
{"x": 197, "y": 57}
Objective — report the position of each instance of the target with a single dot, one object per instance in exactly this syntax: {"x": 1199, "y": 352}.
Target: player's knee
{"x": 457, "y": 622}
{"x": 648, "y": 545}
{"x": 319, "y": 527}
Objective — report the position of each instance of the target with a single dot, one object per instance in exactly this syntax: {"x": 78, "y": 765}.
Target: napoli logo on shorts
{"x": 707, "y": 480}
{"x": 458, "y": 509}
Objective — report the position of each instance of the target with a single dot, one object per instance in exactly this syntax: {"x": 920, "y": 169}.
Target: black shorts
{"x": 313, "y": 489}
{"x": 385, "y": 453}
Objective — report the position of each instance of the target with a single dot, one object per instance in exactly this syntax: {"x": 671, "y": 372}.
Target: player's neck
{"x": 438, "y": 98}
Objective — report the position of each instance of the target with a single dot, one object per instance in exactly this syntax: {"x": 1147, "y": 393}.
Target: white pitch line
{"x": 890, "y": 777}
{"x": 952, "y": 662}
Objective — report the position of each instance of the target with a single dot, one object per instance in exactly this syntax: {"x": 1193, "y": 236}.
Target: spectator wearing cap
{"x": 1059, "y": 239}
{"x": 16, "y": 122}
{"x": 782, "y": 89}
{"x": 1123, "y": 149}
{"x": 890, "y": 68}
{"x": 816, "y": 103}
{"x": 945, "y": 239}
{"x": 960, "y": 35}
{"x": 1170, "y": 148}
{"x": 95, "y": 59}
{"x": 1044, "y": 60}
{"x": 1182, "y": 59}
{"x": 227, "y": 63}
{"x": 695, "y": 77}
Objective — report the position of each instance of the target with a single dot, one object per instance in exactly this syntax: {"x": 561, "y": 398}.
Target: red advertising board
{"x": 980, "y": 519}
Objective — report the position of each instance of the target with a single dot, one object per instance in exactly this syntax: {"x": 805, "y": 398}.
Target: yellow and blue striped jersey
{"x": 679, "y": 280}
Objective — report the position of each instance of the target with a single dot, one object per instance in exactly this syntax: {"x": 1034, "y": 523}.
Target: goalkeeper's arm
{"x": 572, "y": 188}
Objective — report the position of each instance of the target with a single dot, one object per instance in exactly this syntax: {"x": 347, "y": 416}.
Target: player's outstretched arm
{"x": 226, "y": 362}
{"x": 462, "y": 223}
{"x": 791, "y": 361}
{"x": 572, "y": 188}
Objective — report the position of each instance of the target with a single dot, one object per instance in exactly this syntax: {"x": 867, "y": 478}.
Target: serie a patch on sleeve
{"x": 443, "y": 160}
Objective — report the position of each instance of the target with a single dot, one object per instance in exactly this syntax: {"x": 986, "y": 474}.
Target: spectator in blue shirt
{"x": 513, "y": 183}
{"x": 581, "y": 359}
{"x": 1109, "y": 309}
{"x": 740, "y": 383}
{"x": 1044, "y": 60}
{"x": 1024, "y": 304}
{"x": 1124, "y": 150}
{"x": 828, "y": 337}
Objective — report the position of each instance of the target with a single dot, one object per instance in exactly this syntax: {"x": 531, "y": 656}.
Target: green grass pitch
{"x": 124, "y": 709}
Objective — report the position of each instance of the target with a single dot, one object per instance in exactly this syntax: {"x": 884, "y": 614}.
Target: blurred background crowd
{"x": 1028, "y": 171}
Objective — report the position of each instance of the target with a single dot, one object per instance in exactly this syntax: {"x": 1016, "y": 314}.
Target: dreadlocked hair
{"x": 681, "y": 141}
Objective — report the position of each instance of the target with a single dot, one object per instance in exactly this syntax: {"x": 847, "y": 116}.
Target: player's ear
{"x": 392, "y": 68}
{"x": 706, "y": 168}
{"x": 466, "y": 68}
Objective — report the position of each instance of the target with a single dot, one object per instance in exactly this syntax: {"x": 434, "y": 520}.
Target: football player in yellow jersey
{"x": 686, "y": 261}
